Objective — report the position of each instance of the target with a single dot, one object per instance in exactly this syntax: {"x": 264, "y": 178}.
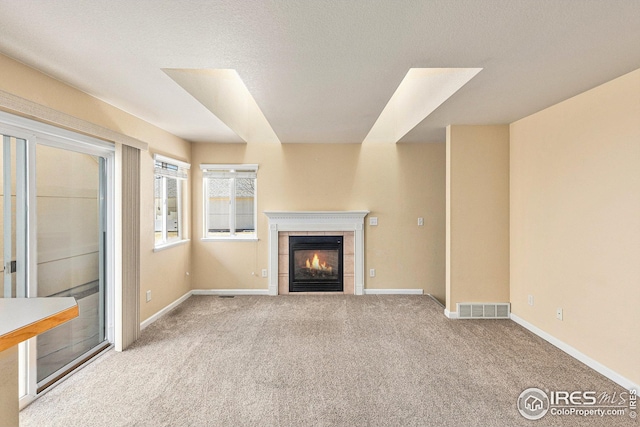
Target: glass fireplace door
{"x": 315, "y": 264}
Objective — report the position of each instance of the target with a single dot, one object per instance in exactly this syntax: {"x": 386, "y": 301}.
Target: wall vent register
{"x": 483, "y": 310}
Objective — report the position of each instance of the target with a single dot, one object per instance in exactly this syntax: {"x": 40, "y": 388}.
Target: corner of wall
{"x": 477, "y": 183}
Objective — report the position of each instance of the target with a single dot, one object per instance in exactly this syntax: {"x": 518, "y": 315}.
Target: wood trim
{"x": 31, "y": 330}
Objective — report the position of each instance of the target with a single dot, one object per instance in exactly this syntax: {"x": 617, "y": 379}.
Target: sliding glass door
{"x": 13, "y": 185}
{"x": 71, "y": 253}
{"x": 13, "y": 188}
{"x": 57, "y": 224}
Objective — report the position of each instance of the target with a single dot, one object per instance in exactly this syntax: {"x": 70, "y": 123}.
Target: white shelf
{"x": 24, "y": 318}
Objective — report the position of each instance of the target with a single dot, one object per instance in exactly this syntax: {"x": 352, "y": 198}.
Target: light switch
{"x": 373, "y": 220}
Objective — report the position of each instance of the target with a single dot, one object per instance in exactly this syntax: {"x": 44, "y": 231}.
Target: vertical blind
{"x": 130, "y": 245}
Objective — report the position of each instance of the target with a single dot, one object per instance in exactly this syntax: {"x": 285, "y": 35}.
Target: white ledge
{"x": 325, "y": 216}
{"x": 347, "y": 219}
{"x": 229, "y": 239}
{"x": 24, "y": 318}
{"x": 170, "y": 245}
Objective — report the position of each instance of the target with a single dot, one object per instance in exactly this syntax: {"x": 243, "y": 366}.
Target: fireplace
{"x": 347, "y": 224}
{"x": 315, "y": 264}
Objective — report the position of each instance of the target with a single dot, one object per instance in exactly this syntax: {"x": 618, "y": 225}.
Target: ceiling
{"x": 324, "y": 70}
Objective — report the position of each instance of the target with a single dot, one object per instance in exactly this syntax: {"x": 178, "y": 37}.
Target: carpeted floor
{"x": 319, "y": 361}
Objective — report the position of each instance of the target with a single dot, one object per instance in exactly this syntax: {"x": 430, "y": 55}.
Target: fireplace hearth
{"x": 316, "y": 264}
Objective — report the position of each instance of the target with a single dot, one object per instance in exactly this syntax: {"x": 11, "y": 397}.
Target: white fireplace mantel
{"x": 316, "y": 221}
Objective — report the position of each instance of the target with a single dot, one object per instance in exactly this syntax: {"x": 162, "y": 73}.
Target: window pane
{"x": 173, "y": 223}
{"x": 245, "y": 196}
{"x": 158, "y": 209}
{"x": 218, "y": 208}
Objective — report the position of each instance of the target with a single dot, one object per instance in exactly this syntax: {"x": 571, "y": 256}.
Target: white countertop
{"x": 24, "y": 318}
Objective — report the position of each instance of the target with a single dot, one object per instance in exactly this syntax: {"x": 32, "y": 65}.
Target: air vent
{"x": 483, "y": 310}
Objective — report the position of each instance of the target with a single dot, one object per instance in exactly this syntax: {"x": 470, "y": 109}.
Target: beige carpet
{"x": 318, "y": 361}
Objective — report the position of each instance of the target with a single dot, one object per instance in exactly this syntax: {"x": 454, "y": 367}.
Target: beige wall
{"x": 397, "y": 183}
{"x": 477, "y": 224}
{"x": 166, "y": 282}
{"x": 575, "y": 222}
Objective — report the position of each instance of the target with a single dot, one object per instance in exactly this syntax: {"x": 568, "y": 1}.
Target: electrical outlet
{"x": 530, "y": 300}
{"x": 559, "y": 313}
{"x": 264, "y": 272}
{"x": 373, "y": 220}
{"x": 420, "y": 222}
{"x": 372, "y": 272}
{"x": 148, "y": 296}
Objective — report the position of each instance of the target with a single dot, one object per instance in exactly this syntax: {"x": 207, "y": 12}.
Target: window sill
{"x": 229, "y": 239}
{"x": 170, "y": 245}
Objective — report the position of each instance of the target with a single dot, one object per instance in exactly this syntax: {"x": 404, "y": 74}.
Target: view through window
{"x": 230, "y": 201}
{"x": 170, "y": 180}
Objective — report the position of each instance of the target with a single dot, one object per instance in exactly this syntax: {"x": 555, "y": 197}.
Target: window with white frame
{"x": 229, "y": 201}
{"x": 170, "y": 180}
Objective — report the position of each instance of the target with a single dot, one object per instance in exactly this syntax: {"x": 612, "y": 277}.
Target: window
{"x": 229, "y": 201}
{"x": 170, "y": 179}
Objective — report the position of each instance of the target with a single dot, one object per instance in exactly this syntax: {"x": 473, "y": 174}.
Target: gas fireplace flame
{"x": 314, "y": 264}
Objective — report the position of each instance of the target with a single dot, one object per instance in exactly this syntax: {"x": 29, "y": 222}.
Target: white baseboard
{"x": 230, "y": 292}
{"x": 593, "y": 364}
{"x": 183, "y": 298}
{"x": 165, "y": 310}
{"x": 436, "y": 300}
{"x": 451, "y": 314}
{"x": 393, "y": 292}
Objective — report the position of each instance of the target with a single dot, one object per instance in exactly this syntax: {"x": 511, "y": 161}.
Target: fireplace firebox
{"x": 315, "y": 264}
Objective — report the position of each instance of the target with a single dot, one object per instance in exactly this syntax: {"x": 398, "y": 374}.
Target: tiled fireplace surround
{"x": 317, "y": 223}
